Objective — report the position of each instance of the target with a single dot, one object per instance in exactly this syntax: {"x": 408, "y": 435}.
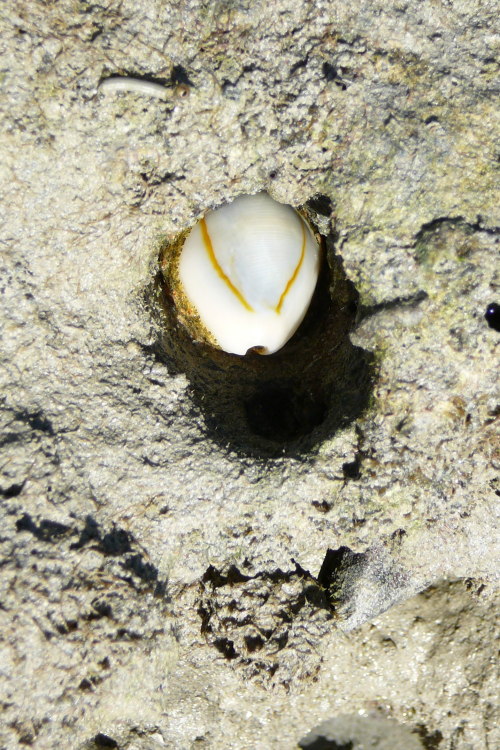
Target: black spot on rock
{"x": 104, "y": 741}
{"x": 351, "y": 469}
{"x": 254, "y": 642}
{"x": 321, "y": 204}
{"x": 115, "y": 542}
{"x": 331, "y": 73}
{"x": 430, "y": 740}
{"x": 218, "y": 579}
{"x": 226, "y": 648}
{"x": 45, "y": 531}
{"x": 101, "y": 609}
{"x": 492, "y": 316}
{"x": 179, "y": 76}
{"x": 13, "y": 491}
{"x": 37, "y": 421}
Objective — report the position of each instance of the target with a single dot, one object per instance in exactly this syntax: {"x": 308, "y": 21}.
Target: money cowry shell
{"x": 249, "y": 270}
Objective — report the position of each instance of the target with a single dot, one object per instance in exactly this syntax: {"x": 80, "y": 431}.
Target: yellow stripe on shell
{"x": 294, "y": 275}
{"x": 210, "y": 251}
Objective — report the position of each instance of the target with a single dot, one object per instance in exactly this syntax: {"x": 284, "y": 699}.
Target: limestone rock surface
{"x": 186, "y": 563}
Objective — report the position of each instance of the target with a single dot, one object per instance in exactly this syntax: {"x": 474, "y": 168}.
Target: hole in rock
{"x": 339, "y": 573}
{"x": 288, "y": 402}
{"x": 102, "y": 740}
{"x": 282, "y": 411}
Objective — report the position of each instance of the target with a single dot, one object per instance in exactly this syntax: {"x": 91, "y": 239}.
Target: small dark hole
{"x": 13, "y": 491}
{"x": 351, "y": 469}
{"x": 102, "y": 740}
{"x": 320, "y": 204}
{"x": 253, "y": 643}
{"x": 225, "y": 647}
{"x": 329, "y": 71}
{"x": 492, "y": 316}
{"x": 179, "y": 76}
{"x": 181, "y": 90}
{"x": 115, "y": 542}
{"x": 102, "y": 609}
{"x": 339, "y": 571}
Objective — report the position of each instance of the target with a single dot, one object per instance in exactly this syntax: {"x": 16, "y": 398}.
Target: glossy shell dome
{"x": 249, "y": 269}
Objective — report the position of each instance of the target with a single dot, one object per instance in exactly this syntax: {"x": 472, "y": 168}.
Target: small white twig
{"x": 135, "y": 85}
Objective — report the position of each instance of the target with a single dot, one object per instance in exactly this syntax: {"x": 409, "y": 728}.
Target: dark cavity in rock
{"x": 289, "y": 402}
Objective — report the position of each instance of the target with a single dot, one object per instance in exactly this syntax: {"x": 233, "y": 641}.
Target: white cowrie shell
{"x": 249, "y": 269}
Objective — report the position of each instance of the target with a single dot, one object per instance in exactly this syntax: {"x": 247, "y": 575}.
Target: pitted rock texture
{"x": 265, "y": 622}
{"x": 118, "y": 493}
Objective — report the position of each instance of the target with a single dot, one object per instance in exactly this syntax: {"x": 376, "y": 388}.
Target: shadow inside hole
{"x": 287, "y": 402}
{"x": 282, "y": 412}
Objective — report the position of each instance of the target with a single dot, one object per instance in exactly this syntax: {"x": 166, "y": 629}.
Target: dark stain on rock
{"x": 492, "y": 316}
{"x": 102, "y": 741}
{"x": 115, "y": 542}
